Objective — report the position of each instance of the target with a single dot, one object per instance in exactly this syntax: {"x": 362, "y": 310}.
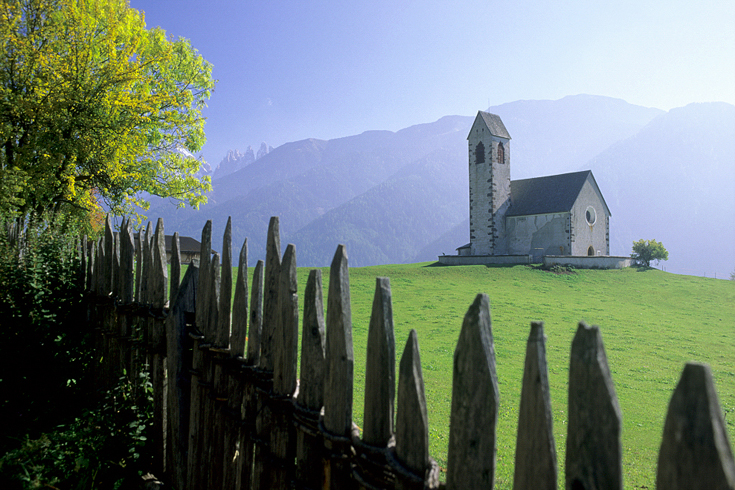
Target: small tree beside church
{"x": 644, "y": 251}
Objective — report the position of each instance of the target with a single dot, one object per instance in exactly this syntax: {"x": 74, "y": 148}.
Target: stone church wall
{"x": 489, "y": 193}
{"x": 586, "y": 234}
{"x": 538, "y": 235}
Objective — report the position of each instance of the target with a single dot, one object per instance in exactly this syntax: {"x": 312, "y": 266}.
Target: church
{"x": 528, "y": 220}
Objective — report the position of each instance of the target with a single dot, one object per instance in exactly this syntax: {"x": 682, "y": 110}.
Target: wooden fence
{"x": 231, "y": 418}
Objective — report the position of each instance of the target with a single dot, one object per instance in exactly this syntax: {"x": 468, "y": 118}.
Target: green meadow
{"x": 652, "y": 322}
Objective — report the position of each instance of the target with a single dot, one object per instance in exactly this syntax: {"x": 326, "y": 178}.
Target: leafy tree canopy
{"x": 644, "y": 251}
{"x": 95, "y": 107}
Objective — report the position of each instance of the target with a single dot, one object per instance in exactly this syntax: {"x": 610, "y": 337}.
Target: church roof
{"x": 494, "y": 124}
{"x": 544, "y": 195}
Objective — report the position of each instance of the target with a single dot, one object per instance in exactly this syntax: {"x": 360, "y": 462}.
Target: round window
{"x": 590, "y": 215}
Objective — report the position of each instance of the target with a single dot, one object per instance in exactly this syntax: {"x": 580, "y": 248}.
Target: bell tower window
{"x": 501, "y": 153}
{"x": 480, "y": 153}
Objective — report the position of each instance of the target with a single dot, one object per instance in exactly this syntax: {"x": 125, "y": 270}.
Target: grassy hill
{"x": 652, "y": 322}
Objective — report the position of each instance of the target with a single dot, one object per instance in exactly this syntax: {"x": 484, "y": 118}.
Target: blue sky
{"x": 290, "y": 70}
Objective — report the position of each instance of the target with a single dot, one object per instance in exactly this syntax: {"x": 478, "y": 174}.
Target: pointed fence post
{"x": 336, "y": 425}
{"x": 250, "y": 377}
{"x": 83, "y": 257}
{"x": 158, "y": 289}
{"x": 116, "y": 316}
{"x": 695, "y": 450}
{"x": 127, "y": 293}
{"x": 240, "y": 305}
{"x": 108, "y": 307}
{"x": 172, "y": 396}
{"x": 475, "y": 403}
{"x": 535, "y": 463}
{"x": 271, "y": 314}
{"x": 109, "y": 251}
{"x": 235, "y": 385}
{"x": 594, "y": 448}
{"x": 178, "y": 324}
{"x": 220, "y": 354}
{"x": 175, "y": 279}
{"x": 372, "y": 469}
{"x": 414, "y": 468}
{"x": 138, "y": 265}
{"x": 198, "y": 380}
{"x": 99, "y": 314}
{"x": 264, "y": 374}
{"x": 286, "y": 338}
{"x": 210, "y": 441}
{"x": 311, "y": 387}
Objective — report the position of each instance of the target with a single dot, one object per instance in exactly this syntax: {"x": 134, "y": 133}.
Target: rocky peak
{"x": 235, "y": 160}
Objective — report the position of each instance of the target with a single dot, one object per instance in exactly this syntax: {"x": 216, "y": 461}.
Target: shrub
{"x": 102, "y": 448}
{"x": 44, "y": 347}
{"x": 644, "y": 251}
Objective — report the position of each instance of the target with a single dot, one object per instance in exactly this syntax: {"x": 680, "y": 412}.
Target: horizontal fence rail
{"x": 230, "y": 413}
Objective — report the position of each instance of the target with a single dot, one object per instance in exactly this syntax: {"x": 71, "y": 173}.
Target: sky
{"x": 294, "y": 69}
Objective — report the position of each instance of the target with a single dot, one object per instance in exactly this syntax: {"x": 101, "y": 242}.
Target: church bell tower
{"x": 489, "y": 167}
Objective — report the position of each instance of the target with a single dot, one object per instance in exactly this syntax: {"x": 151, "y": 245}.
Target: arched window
{"x": 501, "y": 153}
{"x": 591, "y": 250}
{"x": 480, "y": 153}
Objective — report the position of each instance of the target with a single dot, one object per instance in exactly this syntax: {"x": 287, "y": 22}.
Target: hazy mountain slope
{"x": 388, "y": 222}
{"x": 675, "y": 181}
{"x": 447, "y": 243}
{"x": 556, "y": 136}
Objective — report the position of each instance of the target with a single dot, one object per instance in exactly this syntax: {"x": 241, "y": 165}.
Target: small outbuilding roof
{"x": 187, "y": 244}
{"x": 494, "y": 124}
{"x": 551, "y": 194}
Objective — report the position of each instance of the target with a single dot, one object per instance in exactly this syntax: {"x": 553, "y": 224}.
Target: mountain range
{"x": 398, "y": 197}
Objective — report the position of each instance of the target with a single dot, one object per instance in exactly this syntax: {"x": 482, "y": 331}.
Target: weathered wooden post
{"x": 158, "y": 294}
{"x": 83, "y": 256}
{"x": 140, "y": 328}
{"x": 233, "y": 450}
{"x": 126, "y": 291}
{"x": 413, "y": 466}
{"x": 336, "y": 426}
{"x": 264, "y": 375}
{"x": 109, "y": 329}
{"x": 209, "y": 411}
{"x": 535, "y": 464}
{"x": 198, "y": 379}
{"x": 178, "y": 325}
{"x": 175, "y": 279}
{"x": 695, "y": 450}
{"x": 220, "y": 352}
{"x": 171, "y": 396}
{"x": 475, "y": 402}
{"x": 372, "y": 468}
{"x": 250, "y": 376}
{"x": 282, "y": 435}
{"x": 309, "y": 474}
{"x": 98, "y": 314}
{"x": 594, "y": 449}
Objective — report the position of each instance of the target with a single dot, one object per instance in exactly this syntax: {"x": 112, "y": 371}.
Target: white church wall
{"x": 589, "y": 223}
{"x": 538, "y": 235}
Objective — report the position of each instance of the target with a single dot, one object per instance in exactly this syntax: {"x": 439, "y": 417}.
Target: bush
{"x": 644, "y": 251}
{"x": 44, "y": 347}
{"x": 102, "y": 448}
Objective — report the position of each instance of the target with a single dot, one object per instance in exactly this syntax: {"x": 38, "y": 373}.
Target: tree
{"x": 644, "y": 251}
{"x": 95, "y": 107}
